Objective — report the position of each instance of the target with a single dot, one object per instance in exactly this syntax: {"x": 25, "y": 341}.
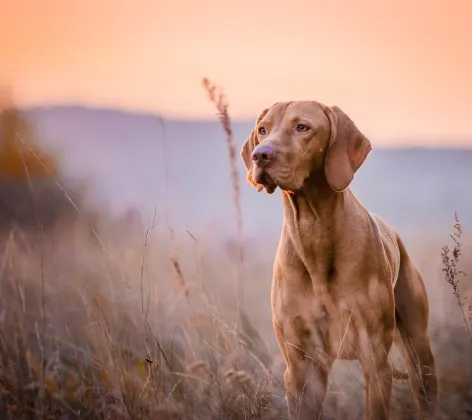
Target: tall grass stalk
{"x": 218, "y": 98}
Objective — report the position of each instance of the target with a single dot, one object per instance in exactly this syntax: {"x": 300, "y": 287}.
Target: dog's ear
{"x": 247, "y": 149}
{"x": 347, "y": 150}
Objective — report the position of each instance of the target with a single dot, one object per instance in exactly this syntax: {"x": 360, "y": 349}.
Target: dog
{"x": 344, "y": 286}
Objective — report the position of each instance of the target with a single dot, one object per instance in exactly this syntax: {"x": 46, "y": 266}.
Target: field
{"x": 118, "y": 318}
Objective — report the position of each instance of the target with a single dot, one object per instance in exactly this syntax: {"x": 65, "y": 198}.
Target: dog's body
{"x": 343, "y": 282}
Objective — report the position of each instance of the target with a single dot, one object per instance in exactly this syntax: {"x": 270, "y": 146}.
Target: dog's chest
{"x": 310, "y": 324}
{"x": 312, "y": 242}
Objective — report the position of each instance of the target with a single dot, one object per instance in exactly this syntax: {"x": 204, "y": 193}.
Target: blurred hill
{"x": 127, "y": 156}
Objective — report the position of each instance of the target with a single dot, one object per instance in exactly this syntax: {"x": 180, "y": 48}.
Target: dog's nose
{"x": 263, "y": 154}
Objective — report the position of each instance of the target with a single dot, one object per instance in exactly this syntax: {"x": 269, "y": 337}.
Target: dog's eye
{"x": 302, "y": 128}
{"x": 262, "y": 131}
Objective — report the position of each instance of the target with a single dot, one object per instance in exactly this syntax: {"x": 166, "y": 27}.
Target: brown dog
{"x": 343, "y": 282}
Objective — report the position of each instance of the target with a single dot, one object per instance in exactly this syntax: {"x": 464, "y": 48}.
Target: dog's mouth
{"x": 263, "y": 178}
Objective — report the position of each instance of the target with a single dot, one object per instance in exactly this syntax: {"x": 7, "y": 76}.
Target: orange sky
{"x": 400, "y": 68}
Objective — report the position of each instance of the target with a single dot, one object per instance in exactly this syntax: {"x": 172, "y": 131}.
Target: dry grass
{"x": 217, "y": 96}
{"x": 103, "y": 324}
{"x": 119, "y": 338}
{"x": 102, "y": 352}
{"x": 453, "y": 273}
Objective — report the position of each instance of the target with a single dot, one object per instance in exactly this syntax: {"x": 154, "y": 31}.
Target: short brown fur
{"x": 343, "y": 283}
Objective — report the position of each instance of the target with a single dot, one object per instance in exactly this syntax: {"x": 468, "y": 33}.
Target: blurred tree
{"x": 19, "y": 155}
{"x": 29, "y": 196}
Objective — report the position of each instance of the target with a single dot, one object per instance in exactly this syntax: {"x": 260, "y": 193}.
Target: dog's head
{"x": 296, "y": 141}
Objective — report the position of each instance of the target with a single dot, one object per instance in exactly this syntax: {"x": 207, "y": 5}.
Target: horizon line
{"x": 457, "y": 142}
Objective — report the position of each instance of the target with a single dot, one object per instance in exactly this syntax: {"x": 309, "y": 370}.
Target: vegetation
{"x": 31, "y": 193}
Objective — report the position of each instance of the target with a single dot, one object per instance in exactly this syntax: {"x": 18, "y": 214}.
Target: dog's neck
{"x": 315, "y": 201}
{"x": 315, "y": 222}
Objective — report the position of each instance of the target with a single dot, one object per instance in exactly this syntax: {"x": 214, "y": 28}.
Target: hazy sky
{"x": 400, "y": 68}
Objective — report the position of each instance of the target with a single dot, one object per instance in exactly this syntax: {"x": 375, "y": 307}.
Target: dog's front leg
{"x": 378, "y": 386}
{"x": 306, "y": 385}
{"x": 306, "y": 378}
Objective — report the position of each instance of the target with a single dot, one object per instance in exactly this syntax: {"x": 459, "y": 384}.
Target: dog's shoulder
{"x": 389, "y": 240}
{"x": 382, "y": 224}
